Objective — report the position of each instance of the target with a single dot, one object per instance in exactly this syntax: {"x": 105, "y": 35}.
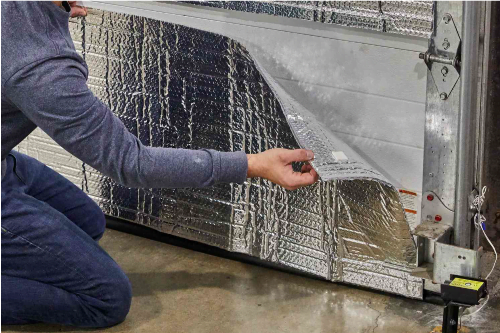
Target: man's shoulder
{"x": 24, "y": 36}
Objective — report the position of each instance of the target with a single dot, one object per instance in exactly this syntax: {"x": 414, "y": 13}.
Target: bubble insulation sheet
{"x": 174, "y": 86}
{"x": 412, "y": 18}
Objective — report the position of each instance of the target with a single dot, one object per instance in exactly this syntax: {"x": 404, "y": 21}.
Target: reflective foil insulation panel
{"x": 174, "y": 86}
{"x": 412, "y": 18}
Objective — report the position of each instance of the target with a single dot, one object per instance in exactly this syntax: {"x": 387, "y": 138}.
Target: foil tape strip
{"x": 411, "y": 18}
{"x": 174, "y": 86}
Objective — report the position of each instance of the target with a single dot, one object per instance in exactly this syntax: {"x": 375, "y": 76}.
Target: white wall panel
{"x": 392, "y": 158}
{"x": 366, "y": 115}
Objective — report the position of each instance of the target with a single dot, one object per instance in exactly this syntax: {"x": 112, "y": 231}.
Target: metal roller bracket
{"x": 443, "y": 56}
{"x": 427, "y": 234}
{"x": 437, "y": 257}
{"x": 437, "y": 225}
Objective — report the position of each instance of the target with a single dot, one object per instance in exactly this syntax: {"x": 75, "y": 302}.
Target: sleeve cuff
{"x": 233, "y": 167}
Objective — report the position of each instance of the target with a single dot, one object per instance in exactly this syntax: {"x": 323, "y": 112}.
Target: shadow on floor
{"x": 146, "y": 284}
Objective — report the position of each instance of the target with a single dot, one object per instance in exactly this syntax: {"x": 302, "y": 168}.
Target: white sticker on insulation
{"x": 339, "y": 156}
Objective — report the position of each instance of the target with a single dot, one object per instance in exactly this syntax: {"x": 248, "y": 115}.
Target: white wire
{"x": 479, "y": 219}
{"x": 480, "y": 308}
{"x": 496, "y": 255}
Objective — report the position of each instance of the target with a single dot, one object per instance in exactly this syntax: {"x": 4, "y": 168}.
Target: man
{"x": 53, "y": 269}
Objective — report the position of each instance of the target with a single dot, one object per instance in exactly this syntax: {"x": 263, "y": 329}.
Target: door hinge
{"x": 443, "y": 56}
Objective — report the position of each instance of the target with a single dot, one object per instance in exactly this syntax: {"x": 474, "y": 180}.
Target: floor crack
{"x": 376, "y": 319}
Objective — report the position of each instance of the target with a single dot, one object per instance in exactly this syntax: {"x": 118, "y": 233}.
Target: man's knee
{"x": 100, "y": 223}
{"x": 117, "y": 300}
{"x": 122, "y": 302}
{"x": 95, "y": 221}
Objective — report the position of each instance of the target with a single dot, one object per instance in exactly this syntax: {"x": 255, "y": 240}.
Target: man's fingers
{"x": 297, "y": 155}
{"x": 297, "y": 180}
{"x": 78, "y": 11}
{"x": 276, "y": 166}
{"x": 315, "y": 175}
{"x": 306, "y": 168}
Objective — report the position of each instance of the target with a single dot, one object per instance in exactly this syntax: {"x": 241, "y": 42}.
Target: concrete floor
{"x": 181, "y": 290}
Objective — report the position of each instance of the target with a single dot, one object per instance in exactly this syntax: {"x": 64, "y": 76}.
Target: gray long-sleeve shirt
{"x": 44, "y": 85}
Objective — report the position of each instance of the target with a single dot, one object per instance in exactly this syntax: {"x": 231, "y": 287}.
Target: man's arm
{"x": 54, "y": 95}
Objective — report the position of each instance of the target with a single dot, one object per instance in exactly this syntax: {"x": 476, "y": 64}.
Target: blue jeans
{"x": 53, "y": 269}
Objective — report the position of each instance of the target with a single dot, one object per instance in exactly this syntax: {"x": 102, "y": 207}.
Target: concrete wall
{"x": 366, "y": 86}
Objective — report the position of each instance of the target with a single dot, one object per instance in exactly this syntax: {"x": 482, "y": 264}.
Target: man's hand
{"x": 276, "y": 166}
{"x": 76, "y": 8}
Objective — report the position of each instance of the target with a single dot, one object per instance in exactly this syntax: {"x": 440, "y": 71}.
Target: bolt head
{"x": 430, "y": 197}
{"x": 447, "y": 18}
{"x": 421, "y": 55}
{"x": 438, "y": 218}
{"x": 444, "y": 70}
{"x": 443, "y": 96}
